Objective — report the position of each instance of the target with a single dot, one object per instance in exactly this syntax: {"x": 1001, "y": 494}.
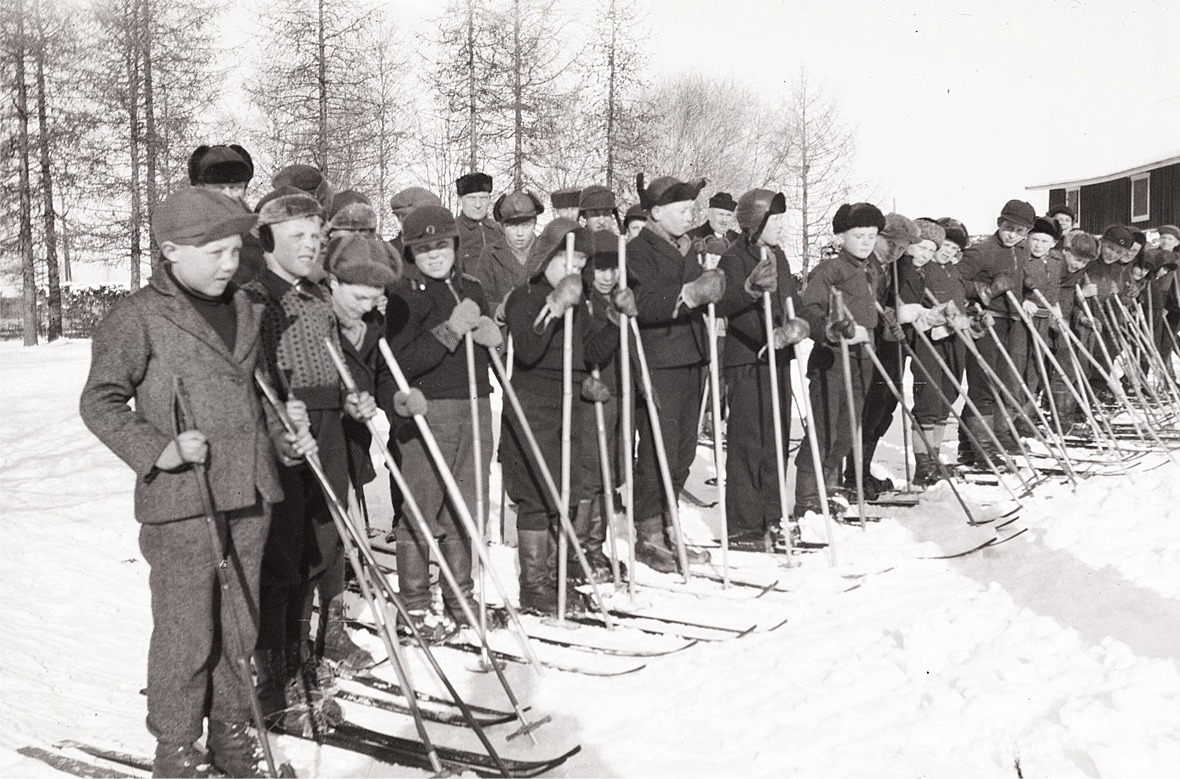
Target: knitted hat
{"x": 856, "y": 215}
{"x": 724, "y": 201}
{"x": 1019, "y": 213}
{"x": 428, "y": 224}
{"x": 565, "y": 198}
{"x": 956, "y": 231}
{"x": 552, "y": 240}
{"x": 930, "y": 230}
{"x": 284, "y": 204}
{"x": 1062, "y": 208}
{"x": 306, "y": 178}
{"x": 754, "y": 208}
{"x": 596, "y": 198}
{"x": 410, "y": 198}
{"x": 351, "y": 210}
{"x": 470, "y": 183}
{"x": 194, "y": 216}
{"x": 634, "y": 213}
{"x": 220, "y": 165}
{"x": 1171, "y": 230}
{"x": 1048, "y": 226}
{"x": 1119, "y": 235}
{"x": 517, "y": 207}
{"x": 666, "y": 190}
{"x": 1080, "y": 244}
{"x": 362, "y": 259}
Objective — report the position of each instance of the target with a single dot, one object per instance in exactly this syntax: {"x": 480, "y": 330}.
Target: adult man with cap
{"x": 672, "y": 292}
{"x": 565, "y": 203}
{"x": 719, "y": 219}
{"x": 476, "y": 230}
{"x": 500, "y": 266}
{"x": 597, "y": 209}
{"x": 191, "y": 324}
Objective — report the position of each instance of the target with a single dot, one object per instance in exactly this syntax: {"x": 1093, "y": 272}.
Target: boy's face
{"x": 1169, "y": 242}
{"x": 1010, "y": 234}
{"x": 236, "y": 190}
{"x": 297, "y": 247}
{"x": 600, "y": 220}
{"x": 772, "y": 234}
{"x": 1064, "y": 221}
{"x": 1039, "y": 244}
{"x": 1112, "y": 253}
{"x": 555, "y": 271}
{"x": 206, "y": 269}
{"x": 570, "y": 213}
{"x": 889, "y": 249}
{"x": 635, "y": 228}
{"x": 435, "y": 259}
{"x": 519, "y": 235}
{"x": 353, "y": 301}
{"x": 720, "y": 220}
{"x": 675, "y": 218}
{"x": 474, "y": 205}
{"x": 921, "y": 252}
{"x": 604, "y": 279}
{"x": 860, "y": 242}
{"x": 949, "y": 252}
{"x": 1073, "y": 262}
{"x": 1132, "y": 253}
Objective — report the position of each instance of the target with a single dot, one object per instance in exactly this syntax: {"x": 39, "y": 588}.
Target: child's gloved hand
{"x": 191, "y": 446}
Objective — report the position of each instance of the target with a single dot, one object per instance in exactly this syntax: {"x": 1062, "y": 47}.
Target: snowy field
{"x": 1055, "y": 654}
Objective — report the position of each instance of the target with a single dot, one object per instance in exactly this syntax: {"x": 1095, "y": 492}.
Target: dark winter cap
{"x": 724, "y": 201}
{"x": 362, "y": 259}
{"x": 306, "y": 178}
{"x": 1171, "y": 230}
{"x": 596, "y": 198}
{"x": 1019, "y": 213}
{"x": 428, "y": 224}
{"x": 1047, "y": 226}
{"x": 551, "y": 241}
{"x": 1062, "y": 208}
{"x": 634, "y": 213}
{"x": 1119, "y": 235}
{"x": 470, "y": 183}
{"x": 410, "y": 198}
{"x": 666, "y": 190}
{"x": 220, "y": 165}
{"x": 604, "y": 250}
{"x": 285, "y": 204}
{"x": 849, "y": 217}
{"x": 565, "y": 198}
{"x": 517, "y": 207}
{"x": 930, "y": 230}
{"x": 1140, "y": 237}
{"x": 1080, "y": 244}
{"x": 194, "y": 216}
{"x": 956, "y": 231}
{"x": 898, "y": 227}
{"x": 351, "y": 210}
{"x": 754, "y": 208}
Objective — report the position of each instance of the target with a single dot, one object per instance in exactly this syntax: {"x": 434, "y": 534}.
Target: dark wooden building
{"x": 1145, "y": 197}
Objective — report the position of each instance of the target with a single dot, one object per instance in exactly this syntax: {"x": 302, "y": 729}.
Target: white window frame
{"x": 1145, "y": 213}
{"x": 1077, "y": 206}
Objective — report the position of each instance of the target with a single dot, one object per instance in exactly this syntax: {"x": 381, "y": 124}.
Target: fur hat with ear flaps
{"x": 351, "y": 210}
{"x": 307, "y": 178}
{"x": 229, "y": 164}
{"x": 755, "y": 208}
{"x": 666, "y": 190}
{"x": 517, "y": 207}
{"x": 551, "y": 242}
{"x": 362, "y": 259}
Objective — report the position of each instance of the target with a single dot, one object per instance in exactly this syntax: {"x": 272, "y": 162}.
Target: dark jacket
{"x": 987, "y": 260}
{"x": 861, "y": 282}
{"x": 144, "y": 343}
{"x": 942, "y": 281}
{"x": 673, "y": 335}
{"x": 424, "y": 304}
{"x": 498, "y": 270}
{"x": 705, "y": 230}
{"x": 371, "y": 375}
{"x": 1044, "y": 274}
{"x": 473, "y": 237}
{"x": 746, "y": 333}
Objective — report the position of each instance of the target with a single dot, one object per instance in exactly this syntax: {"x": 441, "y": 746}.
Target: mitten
{"x": 595, "y": 390}
{"x": 487, "y": 333}
{"x": 835, "y": 329}
{"x": 624, "y": 300}
{"x": 566, "y": 295}
{"x": 908, "y": 313}
{"x": 464, "y": 316}
{"x": 764, "y": 278}
{"x": 409, "y": 404}
{"x": 791, "y": 333}
{"x": 706, "y": 288}
{"x": 998, "y": 287}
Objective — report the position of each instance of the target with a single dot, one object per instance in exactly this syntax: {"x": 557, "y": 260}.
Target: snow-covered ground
{"x": 1055, "y": 654}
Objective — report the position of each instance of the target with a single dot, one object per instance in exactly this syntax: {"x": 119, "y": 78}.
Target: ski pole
{"x": 459, "y": 504}
{"x": 1137, "y": 328}
{"x": 906, "y": 441}
{"x": 424, "y": 532}
{"x": 508, "y": 350}
{"x": 348, "y": 534}
{"x": 219, "y": 527}
{"x": 714, "y": 394}
{"x": 626, "y": 431}
{"x": 837, "y": 304}
{"x": 608, "y": 489}
{"x": 776, "y": 408}
{"x": 567, "y": 410}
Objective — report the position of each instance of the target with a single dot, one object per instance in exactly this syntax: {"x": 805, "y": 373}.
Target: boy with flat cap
{"x": 597, "y": 209}
{"x": 476, "y": 230}
{"x": 191, "y": 324}
{"x": 500, "y": 266}
{"x": 634, "y": 220}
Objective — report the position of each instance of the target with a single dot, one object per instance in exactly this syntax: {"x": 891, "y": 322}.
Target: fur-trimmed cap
{"x": 1019, "y": 213}
{"x": 517, "y": 207}
{"x": 351, "y": 210}
{"x": 220, "y": 165}
{"x": 666, "y": 190}
{"x": 470, "y": 183}
{"x": 362, "y": 259}
{"x": 956, "y": 231}
{"x": 410, "y": 198}
{"x": 899, "y": 227}
{"x": 1080, "y": 244}
{"x": 850, "y": 216}
{"x": 565, "y": 198}
{"x": 1048, "y": 226}
{"x": 286, "y": 203}
{"x": 724, "y": 201}
{"x": 306, "y": 178}
{"x": 754, "y": 208}
{"x": 604, "y": 250}
{"x": 930, "y": 230}
{"x": 597, "y": 198}
{"x": 551, "y": 241}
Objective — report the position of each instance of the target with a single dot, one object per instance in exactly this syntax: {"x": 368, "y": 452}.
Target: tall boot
{"x": 456, "y": 551}
{"x": 651, "y": 548}
{"x": 591, "y": 531}
{"x": 694, "y": 556}
{"x": 337, "y": 645}
{"x": 537, "y": 594}
{"x": 981, "y": 429}
{"x": 270, "y": 669}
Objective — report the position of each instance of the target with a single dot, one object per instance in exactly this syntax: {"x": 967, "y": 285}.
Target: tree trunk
{"x": 472, "y": 154}
{"x": 517, "y": 104}
{"x": 803, "y": 148}
{"x": 130, "y": 19}
{"x": 151, "y": 138}
{"x": 28, "y": 271}
{"x": 53, "y": 299}
{"x": 67, "y": 273}
{"x": 611, "y": 85}
{"x": 322, "y": 81}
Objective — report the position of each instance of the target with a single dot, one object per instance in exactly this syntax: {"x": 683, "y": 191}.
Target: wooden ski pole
{"x": 567, "y": 407}
{"x": 776, "y": 409}
{"x": 608, "y": 488}
{"x": 906, "y": 441}
{"x": 425, "y": 533}
{"x": 509, "y": 359}
{"x": 837, "y": 304}
{"x": 714, "y": 394}
{"x": 459, "y": 504}
{"x": 626, "y": 425}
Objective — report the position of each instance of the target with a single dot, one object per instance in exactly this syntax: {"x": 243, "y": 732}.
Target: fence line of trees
{"x": 107, "y": 98}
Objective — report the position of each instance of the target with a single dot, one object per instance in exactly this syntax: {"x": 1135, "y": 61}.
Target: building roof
{"x": 1099, "y": 179}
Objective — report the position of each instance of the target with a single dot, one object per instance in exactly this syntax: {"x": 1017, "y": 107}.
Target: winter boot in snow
{"x": 180, "y": 761}
{"x": 537, "y": 593}
{"x": 926, "y": 470}
{"x": 270, "y": 666}
{"x": 337, "y": 646}
{"x": 434, "y": 628}
{"x": 310, "y": 707}
{"x": 695, "y": 556}
{"x": 652, "y": 547}
{"x": 590, "y": 527}
{"x": 235, "y": 750}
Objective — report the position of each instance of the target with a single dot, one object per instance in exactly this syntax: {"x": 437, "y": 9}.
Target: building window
{"x": 1073, "y": 199}
{"x": 1140, "y": 197}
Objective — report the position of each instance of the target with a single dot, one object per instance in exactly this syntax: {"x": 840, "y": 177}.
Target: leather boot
{"x": 235, "y": 750}
{"x": 926, "y": 471}
{"x": 338, "y": 646}
{"x": 537, "y": 593}
{"x": 590, "y": 527}
{"x": 651, "y": 547}
{"x": 981, "y": 429}
{"x": 180, "y": 761}
{"x": 270, "y": 667}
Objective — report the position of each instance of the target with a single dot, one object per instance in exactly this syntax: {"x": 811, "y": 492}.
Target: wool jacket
{"x": 498, "y": 270}
{"x": 940, "y": 280}
{"x": 146, "y": 342}
{"x": 746, "y": 333}
{"x": 1044, "y": 274}
{"x": 862, "y": 283}
{"x": 425, "y": 304}
{"x": 673, "y": 334}
{"x": 473, "y": 237}
{"x": 987, "y": 260}
{"x": 371, "y": 375}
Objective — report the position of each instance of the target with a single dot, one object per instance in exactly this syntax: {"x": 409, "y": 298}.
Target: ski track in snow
{"x": 1059, "y": 650}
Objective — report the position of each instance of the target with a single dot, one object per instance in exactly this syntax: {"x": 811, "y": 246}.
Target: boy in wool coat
{"x": 191, "y": 324}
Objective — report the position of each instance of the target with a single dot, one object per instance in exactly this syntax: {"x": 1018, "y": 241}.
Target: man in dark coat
{"x": 719, "y": 221}
{"x": 476, "y": 229}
